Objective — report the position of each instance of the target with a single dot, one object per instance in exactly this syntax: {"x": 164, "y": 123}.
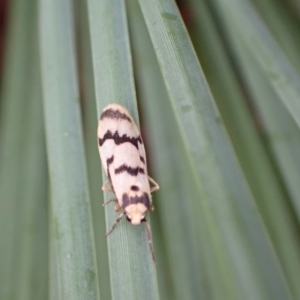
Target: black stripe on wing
{"x": 108, "y": 162}
{"x": 120, "y": 139}
{"x": 131, "y": 171}
{"x": 114, "y": 114}
{"x": 144, "y": 198}
{"x": 142, "y": 159}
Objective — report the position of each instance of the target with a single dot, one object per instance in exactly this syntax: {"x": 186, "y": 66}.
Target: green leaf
{"x": 257, "y": 165}
{"x": 283, "y": 138}
{"x": 286, "y": 31}
{"x": 282, "y": 132}
{"x": 132, "y": 271}
{"x": 75, "y": 256}
{"x": 90, "y": 120}
{"x": 23, "y": 180}
{"x": 177, "y": 239}
{"x": 244, "y": 251}
{"x": 280, "y": 72}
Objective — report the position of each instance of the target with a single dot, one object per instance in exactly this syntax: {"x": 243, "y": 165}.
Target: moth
{"x": 123, "y": 158}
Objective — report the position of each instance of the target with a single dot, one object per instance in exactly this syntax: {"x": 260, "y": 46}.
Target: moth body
{"x": 123, "y": 158}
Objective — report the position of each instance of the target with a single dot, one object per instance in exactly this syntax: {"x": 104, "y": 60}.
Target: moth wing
{"x": 122, "y": 151}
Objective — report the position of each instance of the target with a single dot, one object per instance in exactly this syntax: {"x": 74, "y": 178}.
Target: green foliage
{"x": 215, "y": 88}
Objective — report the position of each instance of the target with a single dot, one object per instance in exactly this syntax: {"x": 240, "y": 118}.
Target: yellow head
{"x": 136, "y": 213}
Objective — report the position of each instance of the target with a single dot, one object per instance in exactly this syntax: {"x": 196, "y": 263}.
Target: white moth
{"x": 123, "y": 158}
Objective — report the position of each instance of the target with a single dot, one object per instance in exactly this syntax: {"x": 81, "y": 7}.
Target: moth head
{"x": 135, "y": 213}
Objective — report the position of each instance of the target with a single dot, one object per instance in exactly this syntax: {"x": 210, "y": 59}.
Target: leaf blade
{"x": 132, "y": 271}
{"x": 77, "y": 270}
{"x": 209, "y": 148}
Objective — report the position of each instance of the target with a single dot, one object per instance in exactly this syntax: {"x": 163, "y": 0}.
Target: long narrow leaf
{"x": 77, "y": 270}
{"x": 14, "y": 114}
{"x": 283, "y": 135}
{"x": 182, "y": 232}
{"x": 286, "y": 31}
{"x": 281, "y": 73}
{"x": 257, "y": 165}
{"x": 90, "y": 121}
{"x": 213, "y": 161}
{"x": 284, "y": 140}
{"x": 132, "y": 270}
{"x": 30, "y": 274}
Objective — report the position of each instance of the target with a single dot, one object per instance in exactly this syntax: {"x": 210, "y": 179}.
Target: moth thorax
{"x": 136, "y": 213}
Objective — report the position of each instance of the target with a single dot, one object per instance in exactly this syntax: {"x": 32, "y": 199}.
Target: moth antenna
{"x": 149, "y": 238}
{"x": 116, "y": 223}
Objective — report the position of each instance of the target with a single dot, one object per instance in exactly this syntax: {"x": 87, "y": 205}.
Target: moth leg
{"x": 117, "y": 206}
{"x": 149, "y": 239}
{"x": 155, "y": 187}
{"x": 105, "y": 188}
{"x": 151, "y": 208}
{"x": 108, "y": 201}
{"x": 116, "y": 223}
